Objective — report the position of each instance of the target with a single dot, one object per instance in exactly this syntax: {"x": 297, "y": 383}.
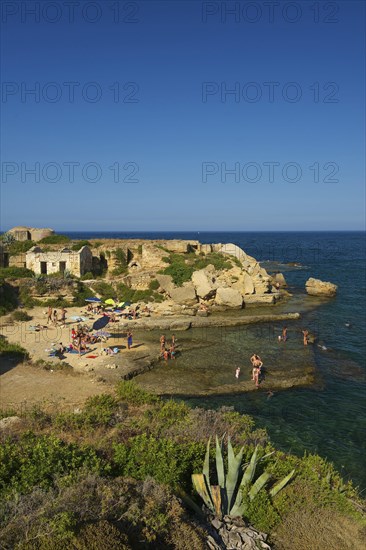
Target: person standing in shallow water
{"x": 284, "y": 334}
{"x": 237, "y": 373}
{"x": 306, "y": 336}
{"x": 255, "y": 375}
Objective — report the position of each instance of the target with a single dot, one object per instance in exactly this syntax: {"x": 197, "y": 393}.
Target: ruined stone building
{"x": 23, "y": 233}
{"x": 58, "y": 261}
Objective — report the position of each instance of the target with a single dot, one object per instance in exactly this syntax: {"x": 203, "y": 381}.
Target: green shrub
{"x": 80, "y": 294}
{"x": 8, "y": 298}
{"x": 88, "y": 275}
{"x": 79, "y": 244}
{"x": 154, "y": 284}
{"x": 98, "y": 410}
{"x": 21, "y": 316}
{"x": 16, "y": 272}
{"x": 12, "y": 350}
{"x": 130, "y": 392}
{"x": 19, "y": 247}
{"x": 162, "y": 459}
{"x": 58, "y": 302}
{"x": 179, "y": 270}
{"x": 105, "y": 290}
{"x": 35, "y": 460}
{"x": 26, "y": 299}
{"x": 55, "y": 239}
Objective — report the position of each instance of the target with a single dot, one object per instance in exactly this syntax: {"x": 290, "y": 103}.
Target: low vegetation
{"x": 79, "y": 244}
{"x": 131, "y": 455}
{"x": 12, "y": 351}
{"x": 55, "y": 239}
{"x": 182, "y": 266}
{"x": 8, "y": 298}
{"x": 16, "y": 273}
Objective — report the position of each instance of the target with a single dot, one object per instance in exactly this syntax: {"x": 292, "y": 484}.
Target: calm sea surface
{"x": 329, "y": 419}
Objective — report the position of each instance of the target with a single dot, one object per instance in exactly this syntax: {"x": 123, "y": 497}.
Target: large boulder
{"x": 165, "y": 282}
{"x": 316, "y": 287}
{"x": 280, "y": 279}
{"x": 202, "y": 281}
{"x": 245, "y": 284}
{"x": 261, "y": 284}
{"x": 229, "y": 297}
{"x": 184, "y": 295}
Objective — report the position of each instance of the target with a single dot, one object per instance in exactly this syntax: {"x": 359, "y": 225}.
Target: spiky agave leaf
{"x": 259, "y": 484}
{"x": 240, "y": 505}
{"x": 220, "y": 464}
{"x": 206, "y": 463}
{"x": 234, "y": 463}
{"x": 216, "y": 497}
{"x": 280, "y": 485}
{"x": 199, "y": 483}
{"x": 245, "y": 482}
{"x": 250, "y": 469}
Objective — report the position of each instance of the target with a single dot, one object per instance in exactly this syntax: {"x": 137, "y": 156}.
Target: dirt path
{"x": 23, "y": 386}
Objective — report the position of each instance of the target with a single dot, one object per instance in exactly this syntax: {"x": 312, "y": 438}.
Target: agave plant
{"x": 237, "y": 488}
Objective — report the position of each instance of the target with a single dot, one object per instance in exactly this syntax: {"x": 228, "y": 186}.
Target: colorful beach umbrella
{"x": 110, "y": 302}
{"x": 94, "y": 300}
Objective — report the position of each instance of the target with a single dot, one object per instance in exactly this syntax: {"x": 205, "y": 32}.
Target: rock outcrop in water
{"x": 316, "y": 287}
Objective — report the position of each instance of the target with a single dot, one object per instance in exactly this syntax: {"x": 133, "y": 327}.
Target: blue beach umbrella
{"x": 93, "y": 300}
{"x": 101, "y": 322}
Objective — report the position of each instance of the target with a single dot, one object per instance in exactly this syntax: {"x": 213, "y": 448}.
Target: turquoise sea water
{"x": 330, "y": 418}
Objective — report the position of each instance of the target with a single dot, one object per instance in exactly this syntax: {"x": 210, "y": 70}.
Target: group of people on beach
{"x": 55, "y": 318}
{"x": 167, "y": 352}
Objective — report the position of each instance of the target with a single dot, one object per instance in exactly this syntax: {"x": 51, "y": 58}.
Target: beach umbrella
{"x": 103, "y": 333}
{"x": 110, "y": 302}
{"x": 101, "y": 322}
{"x": 93, "y": 300}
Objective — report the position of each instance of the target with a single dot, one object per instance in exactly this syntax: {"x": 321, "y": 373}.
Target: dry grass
{"x": 320, "y": 529}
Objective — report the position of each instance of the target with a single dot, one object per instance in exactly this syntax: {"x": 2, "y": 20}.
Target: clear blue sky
{"x": 171, "y": 134}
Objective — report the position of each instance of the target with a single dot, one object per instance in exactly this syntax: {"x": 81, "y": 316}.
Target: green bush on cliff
{"x": 19, "y": 247}
{"x": 14, "y": 351}
{"x": 8, "y": 298}
{"x": 16, "y": 272}
{"x": 79, "y": 244}
{"x": 165, "y": 460}
{"x": 178, "y": 269}
{"x": 35, "y": 460}
{"x": 80, "y": 294}
{"x": 55, "y": 239}
{"x": 121, "y": 261}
